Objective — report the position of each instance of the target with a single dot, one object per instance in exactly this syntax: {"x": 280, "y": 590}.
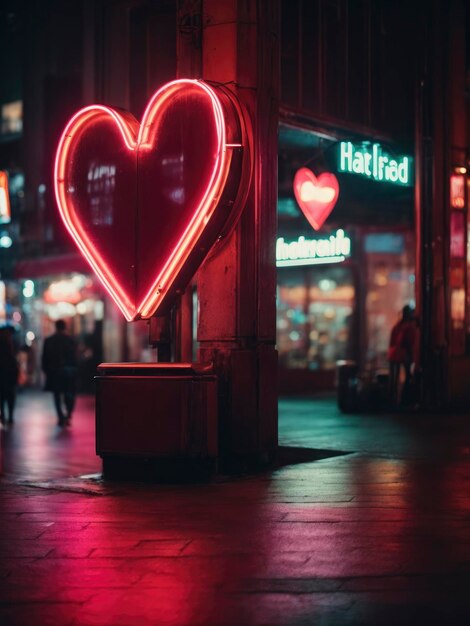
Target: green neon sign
{"x": 372, "y": 161}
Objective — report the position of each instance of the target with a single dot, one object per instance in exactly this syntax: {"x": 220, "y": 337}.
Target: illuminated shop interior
{"x": 342, "y": 285}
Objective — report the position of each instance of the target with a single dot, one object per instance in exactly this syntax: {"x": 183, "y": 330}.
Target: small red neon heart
{"x": 145, "y": 202}
{"x": 316, "y": 196}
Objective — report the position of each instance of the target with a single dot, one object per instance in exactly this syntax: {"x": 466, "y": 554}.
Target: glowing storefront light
{"x": 5, "y": 212}
{"x": 373, "y": 162}
{"x": 12, "y": 117}
{"x": 457, "y": 191}
{"x": 333, "y": 249}
{"x": 82, "y": 308}
{"x": 58, "y": 310}
{"x": 28, "y": 289}
{"x": 3, "y": 301}
{"x": 67, "y": 290}
{"x": 5, "y": 240}
{"x": 325, "y": 284}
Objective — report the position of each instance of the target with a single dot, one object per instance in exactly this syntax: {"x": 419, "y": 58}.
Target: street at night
{"x": 234, "y": 312}
{"x": 377, "y": 534}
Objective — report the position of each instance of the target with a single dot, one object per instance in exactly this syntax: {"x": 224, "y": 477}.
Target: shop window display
{"x": 389, "y": 258}
{"x": 341, "y": 306}
{"x": 315, "y": 317}
{"x": 91, "y": 317}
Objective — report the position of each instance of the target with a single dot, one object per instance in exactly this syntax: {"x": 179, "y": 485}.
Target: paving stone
{"x": 379, "y": 537}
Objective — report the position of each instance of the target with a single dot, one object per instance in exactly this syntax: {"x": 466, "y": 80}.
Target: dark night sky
{"x": 10, "y": 50}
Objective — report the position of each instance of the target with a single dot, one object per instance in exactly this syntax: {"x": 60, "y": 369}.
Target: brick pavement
{"x": 380, "y": 536}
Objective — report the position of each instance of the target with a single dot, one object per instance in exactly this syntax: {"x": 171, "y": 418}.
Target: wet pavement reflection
{"x": 380, "y": 535}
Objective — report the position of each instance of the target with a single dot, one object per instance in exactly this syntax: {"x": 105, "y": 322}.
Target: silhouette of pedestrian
{"x": 401, "y": 353}
{"x": 8, "y": 375}
{"x": 59, "y": 362}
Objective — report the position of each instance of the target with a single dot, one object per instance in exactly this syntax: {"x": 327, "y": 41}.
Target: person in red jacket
{"x": 401, "y": 352}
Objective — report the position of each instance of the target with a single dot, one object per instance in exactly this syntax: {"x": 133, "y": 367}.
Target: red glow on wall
{"x": 457, "y": 235}
{"x": 457, "y": 191}
{"x": 146, "y": 202}
{"x": 5, "y": 211}
{"x": 316, "y": 196}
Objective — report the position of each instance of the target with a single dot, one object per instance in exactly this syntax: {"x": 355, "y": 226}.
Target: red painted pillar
{"x": 237, "y": 285}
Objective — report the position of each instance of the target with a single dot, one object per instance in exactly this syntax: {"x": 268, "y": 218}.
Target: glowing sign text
{"x": 373, "y": 162}
{"x": 333, "y": 249}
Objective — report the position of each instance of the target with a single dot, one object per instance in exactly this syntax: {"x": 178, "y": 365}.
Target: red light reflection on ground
{"x": 375, "y": 537}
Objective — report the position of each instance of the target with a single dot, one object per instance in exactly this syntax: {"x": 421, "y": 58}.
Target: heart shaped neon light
{"x": 316, "y": 196}
{"x": 145, "y": 203}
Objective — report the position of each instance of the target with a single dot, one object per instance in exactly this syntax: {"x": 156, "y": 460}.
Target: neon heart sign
{"x": 145, "y": 202}
{"x": 316, "y": 196}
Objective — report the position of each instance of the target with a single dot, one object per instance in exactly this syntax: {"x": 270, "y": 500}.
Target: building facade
{"x": 323, "y": 81}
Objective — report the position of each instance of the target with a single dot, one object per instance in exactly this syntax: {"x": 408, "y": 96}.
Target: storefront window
{"x": 390, "y": 286}
{"x": 338, "y": 302}
{"x": 315, "y": 317}
{"x": 75, "y": 298}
